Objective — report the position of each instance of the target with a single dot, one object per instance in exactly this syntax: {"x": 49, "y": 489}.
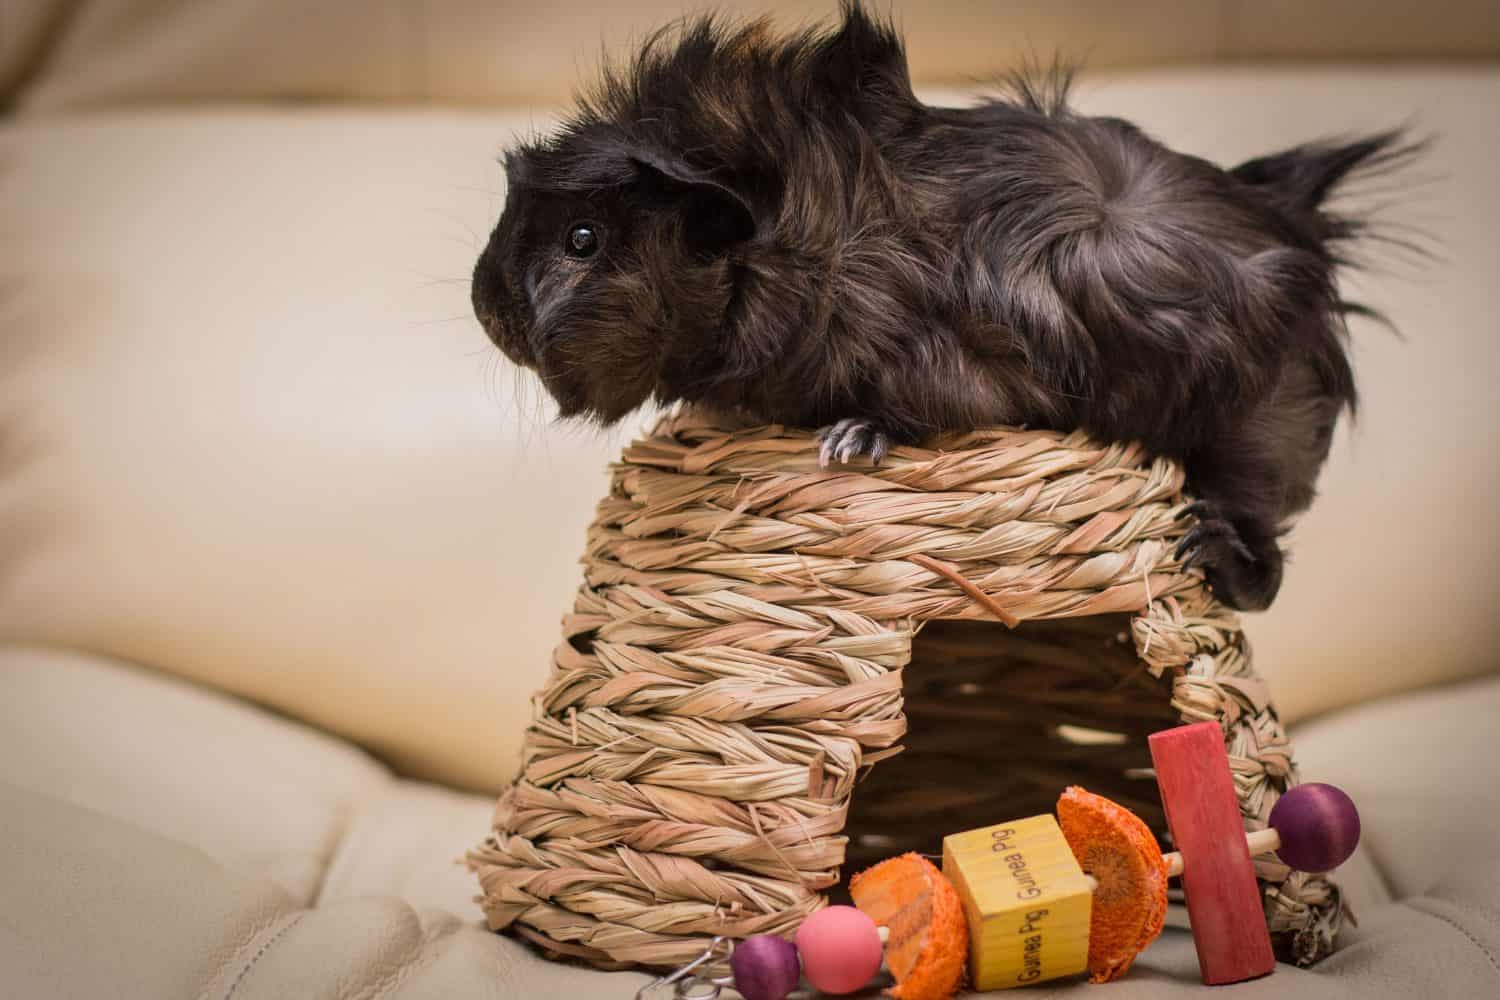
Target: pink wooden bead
{"x": 840, "y": 949}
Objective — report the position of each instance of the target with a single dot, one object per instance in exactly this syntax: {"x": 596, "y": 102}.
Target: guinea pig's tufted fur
{"x": 780, "y": 228}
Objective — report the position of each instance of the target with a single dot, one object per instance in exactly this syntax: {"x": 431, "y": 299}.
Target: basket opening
{"x": 1000, "y": 721}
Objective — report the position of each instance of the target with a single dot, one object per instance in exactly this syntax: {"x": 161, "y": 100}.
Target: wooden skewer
{"x": 1260, "y": 842}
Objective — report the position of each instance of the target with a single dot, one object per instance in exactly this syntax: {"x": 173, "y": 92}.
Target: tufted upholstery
{"x": 162, "y": 840}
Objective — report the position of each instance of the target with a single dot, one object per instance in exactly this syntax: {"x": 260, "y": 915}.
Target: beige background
{"x": 91, "y": 52}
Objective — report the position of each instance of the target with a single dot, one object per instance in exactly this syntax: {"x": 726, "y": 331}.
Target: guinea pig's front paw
{"x": 1242, "y": 564}
{"x": 849, "y": 439}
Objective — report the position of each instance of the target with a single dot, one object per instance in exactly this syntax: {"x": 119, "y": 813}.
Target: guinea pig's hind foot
{"x": 849, "y": 439}
{"x": 1241, "y": 562}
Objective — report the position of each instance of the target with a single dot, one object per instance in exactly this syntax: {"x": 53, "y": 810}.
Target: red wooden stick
{"x": 1223, "y": 898}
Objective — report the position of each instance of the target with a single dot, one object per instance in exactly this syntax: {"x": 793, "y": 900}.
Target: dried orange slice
{"x": 929, "y": 938}
{"x": 1113, "y": 845}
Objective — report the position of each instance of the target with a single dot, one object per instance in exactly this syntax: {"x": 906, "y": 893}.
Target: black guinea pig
{"x": 777, "y": 227}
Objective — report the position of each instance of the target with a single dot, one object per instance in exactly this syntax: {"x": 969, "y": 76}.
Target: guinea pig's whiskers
{"x": 436, "y": 321}
{"x": 475, "y": 240}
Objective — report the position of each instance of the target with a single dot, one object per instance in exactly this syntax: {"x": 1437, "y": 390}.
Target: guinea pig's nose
{"x": 494, "y": 308}
{"x": 486, "y": 292}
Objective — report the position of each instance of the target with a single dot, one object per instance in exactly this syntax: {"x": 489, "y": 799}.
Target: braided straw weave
{"x": 754, "y": 632}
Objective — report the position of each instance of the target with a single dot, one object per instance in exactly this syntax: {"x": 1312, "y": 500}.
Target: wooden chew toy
{"x": 1318, "y": 823}
{"x": 1026, "y": 901}
{"x": 1223, "y": 897}
{"x": 1042, "y": 898}
{"x": 1034, "y": 914}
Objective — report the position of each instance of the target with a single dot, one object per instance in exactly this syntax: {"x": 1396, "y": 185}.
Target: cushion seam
{"x": 392, "y": 981}
{"x": 349, "y": 812}
{"x": 340, "y": 851}
{"x": 1494, "y": 962}
{"x": 234, "y": 986}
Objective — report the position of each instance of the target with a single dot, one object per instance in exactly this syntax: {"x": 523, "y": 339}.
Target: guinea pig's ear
{"x": 715, "y": 217}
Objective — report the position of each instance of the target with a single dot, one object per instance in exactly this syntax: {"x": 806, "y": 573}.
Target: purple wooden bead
{"x": 1318, "y": 826}
{"x": 765, "y": 967}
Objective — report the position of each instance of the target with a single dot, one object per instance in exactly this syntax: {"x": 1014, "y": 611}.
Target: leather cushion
{"x": 137, "y": 813}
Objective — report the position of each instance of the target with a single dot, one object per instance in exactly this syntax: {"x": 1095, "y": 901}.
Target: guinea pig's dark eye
{"x": 582, "y": 241}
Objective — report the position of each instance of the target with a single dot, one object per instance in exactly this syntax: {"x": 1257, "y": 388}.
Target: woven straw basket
{"x": 1002, "y": 609}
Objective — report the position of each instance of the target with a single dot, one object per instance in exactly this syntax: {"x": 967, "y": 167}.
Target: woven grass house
{"x": 774, "y": 675}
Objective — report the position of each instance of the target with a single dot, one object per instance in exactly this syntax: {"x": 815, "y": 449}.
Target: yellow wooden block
{"x": 1026, "y": 900}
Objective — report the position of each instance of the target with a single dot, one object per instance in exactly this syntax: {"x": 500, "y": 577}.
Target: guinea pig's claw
{"x": 1243, "y": 565}
{"x": 850, "y": 438}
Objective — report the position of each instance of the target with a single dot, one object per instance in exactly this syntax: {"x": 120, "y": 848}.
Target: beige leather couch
{"x": 283, "y": 543}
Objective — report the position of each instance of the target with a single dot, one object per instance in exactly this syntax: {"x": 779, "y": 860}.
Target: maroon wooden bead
{"x": 765, "y": 968}
{"x": 1318, "y": 826}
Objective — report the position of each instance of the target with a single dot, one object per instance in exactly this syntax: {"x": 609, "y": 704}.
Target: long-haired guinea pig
{"x": 776, "y": 226}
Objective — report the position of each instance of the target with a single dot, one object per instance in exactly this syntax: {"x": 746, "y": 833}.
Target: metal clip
{"x": 687, "y": 984}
